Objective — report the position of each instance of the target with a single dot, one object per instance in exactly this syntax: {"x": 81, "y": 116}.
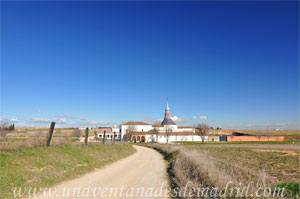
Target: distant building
{"x": 167, "y": 130}
{"x": 109, "y": 133}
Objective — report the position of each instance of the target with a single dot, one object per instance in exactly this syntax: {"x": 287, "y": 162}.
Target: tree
{"x": 3, "y": 133}
{"x": 168, "y": 132}
{"x": 4, "y": 126}
{"x": 3, "y": 129}
{"x": 131, "y": 129}
{"x": 202, "y": 130}
{"x": 11, "y": 127}
{"x": 7, "y": 127}
{"x": 156, "y": 130}
{"x": 95, "y": 133}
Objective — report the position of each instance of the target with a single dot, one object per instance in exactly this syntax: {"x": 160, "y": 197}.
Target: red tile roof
{"x": 135, "y": 123}
{"x": 184, "y": 127}
{"x": 157, "y": 125}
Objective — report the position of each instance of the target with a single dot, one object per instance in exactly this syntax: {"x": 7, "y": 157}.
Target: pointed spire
{"x": 167, "y": 111}
{"x": 167, "y": 106}
{"x": 167, "y": 120}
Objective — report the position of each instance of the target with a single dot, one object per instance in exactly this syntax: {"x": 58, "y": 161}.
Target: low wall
{"x": 213, "y": 138}
{"x": 254, "y": 138}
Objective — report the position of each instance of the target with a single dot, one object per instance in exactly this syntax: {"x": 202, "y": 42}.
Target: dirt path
{"x": 141, "y": 175}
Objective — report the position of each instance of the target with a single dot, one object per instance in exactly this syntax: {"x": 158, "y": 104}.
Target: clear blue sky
{"x": 97, "y": 63}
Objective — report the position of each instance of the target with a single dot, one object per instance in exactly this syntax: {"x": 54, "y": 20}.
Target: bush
{"x": 291, "y": 189}
{"x": 3, "y": 133}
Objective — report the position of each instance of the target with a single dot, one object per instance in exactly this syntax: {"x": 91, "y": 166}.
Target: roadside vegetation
{"x": 11, "y": 143}
{"x": 214, "y": 165}
{"x": 242, "y": 143}
{"x": 10, "y": 140}
{"x": 41, "y": 166}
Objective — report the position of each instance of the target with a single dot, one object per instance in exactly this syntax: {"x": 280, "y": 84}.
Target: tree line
{"x": 5, "y": 126}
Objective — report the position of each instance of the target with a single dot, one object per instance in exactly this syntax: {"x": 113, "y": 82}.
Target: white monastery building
{"x": 165, "y": 132}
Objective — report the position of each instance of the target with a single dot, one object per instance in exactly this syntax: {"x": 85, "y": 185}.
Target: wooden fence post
{"x": 50, "y": 133}
{"x": 104, "y": 137}
{"x": 86, "y": 136}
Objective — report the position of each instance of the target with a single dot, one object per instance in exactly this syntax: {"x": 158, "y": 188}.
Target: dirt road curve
{"x": 141, "y": 175}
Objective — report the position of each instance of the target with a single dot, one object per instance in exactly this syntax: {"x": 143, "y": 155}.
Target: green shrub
{"x": 291, "y": 189}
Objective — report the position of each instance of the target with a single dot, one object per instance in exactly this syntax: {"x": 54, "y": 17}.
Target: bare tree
{"x": 156, "y": 130}
{"x": 95, "y": 134}
{"x": 4, "y": 129}
{"x": 168, "y": 133}
{"x": 4, "y": 126}
{"x": 131, "y": 129}
{"x": 202, "y": 130}
{"x": 3, "y": 133}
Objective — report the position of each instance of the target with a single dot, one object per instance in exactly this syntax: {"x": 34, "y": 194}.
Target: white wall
{"x": 163, "y": 128}
{"x": 116, "y": 129}
{"x": 140, "y": 128}
{"x": 173, "y": 138}
{"x": 186, "y": 130}
{"x": 108, "y": 135}
{"x": 145, "y": 128}
{"x": 175, "y": 129}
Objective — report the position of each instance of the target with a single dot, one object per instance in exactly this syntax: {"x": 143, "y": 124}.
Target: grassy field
{"x": 214, "y": 165}
{"x": 239, "y": 142}
{"x": 270, "y": 132}
{"x": 43, "y": 167}
{"x": 280, "y": 165}
{"x": 10, "y": 143}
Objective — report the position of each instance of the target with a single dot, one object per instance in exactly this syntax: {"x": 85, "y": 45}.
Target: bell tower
{"x": 167, "y": 120}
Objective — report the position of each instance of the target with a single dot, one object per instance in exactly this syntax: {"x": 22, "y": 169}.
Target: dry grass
{"x": 31, "y": 142}
{"x": 216, "y": 165}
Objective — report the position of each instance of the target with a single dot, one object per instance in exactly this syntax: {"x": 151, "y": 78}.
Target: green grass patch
{"x": 291, "y": 189}
{"x": 46, "y": 166}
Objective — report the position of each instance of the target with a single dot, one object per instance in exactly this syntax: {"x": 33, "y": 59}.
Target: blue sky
{"x": 103, "y": 63}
